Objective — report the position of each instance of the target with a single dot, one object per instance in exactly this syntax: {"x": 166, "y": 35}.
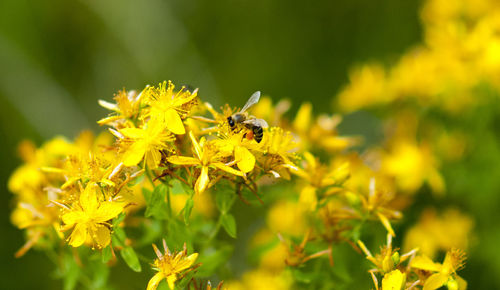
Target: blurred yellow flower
{"x": 411, "y": 165}
{"x": 262, "y": 279}
{"x": 439, "y": 232}
{"x": 287, "y": 217}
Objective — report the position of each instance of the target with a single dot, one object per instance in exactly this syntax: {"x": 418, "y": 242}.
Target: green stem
{"x": 168, "y": 200}
{"x": 216, "y": 230}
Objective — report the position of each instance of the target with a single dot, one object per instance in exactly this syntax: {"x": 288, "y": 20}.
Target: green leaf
{"x": 224, "y": 196}
{"x": 118, "y": 237}
{"x": 106, "y": 254}
{"x": 187, "y": 210}
{"x": 156, "y": 205}
{"x": 117, "y": 221}
{"x": 128, "y": 254}
{"x": 177, "y": 187}
{"x": 147, "y": 194}
{"x": 229, "y": 224}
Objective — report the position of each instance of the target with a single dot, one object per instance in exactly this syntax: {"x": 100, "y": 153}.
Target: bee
{"x": 250, "y": 122}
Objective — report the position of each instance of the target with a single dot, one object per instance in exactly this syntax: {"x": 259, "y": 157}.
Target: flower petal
{"x": 88, "y": 198}
{"x": 196, "y": 145}
{"x": 245, "y": 160}
{"x": 171, "y": 281}
{"x": 134, "y": 154}
{"x": 107, "y": 210}
{"x": 394, "y": 280}
{"x": 153, "y": 282}
{"x": 102, "y": 236}
{"x": 174, "y": 122}
{"x": 308, "y": 197}
{"x": 72, "y": 217}
{"x": 202, "y": 182}
{"x": 78, "y": 236}
{"x": 425, "y": 263}
{"x": 183, "y": 160}
{"x": 133, "y": 133}
{"x": 435, "y": 281}
{"x": 228, "y": 169}
{"x": 153, "y": 158}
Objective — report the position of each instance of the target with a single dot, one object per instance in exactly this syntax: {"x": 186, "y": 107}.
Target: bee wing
{"x": 251, "y": 101}
{"x": 256, "y": 122}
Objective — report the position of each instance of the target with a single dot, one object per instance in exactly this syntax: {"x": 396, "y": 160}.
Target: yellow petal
{"x": 107, "y": 210}
{"x": 425, "y": 263}
{"x": 72, "y": 217}
{"x": 133, "y": 133}
{"x": 435, "y": 281}
{"x": 394, "y": 280}
{"x": 78, "y": 236}
{"x": 462, "y": 284}
{"x": 228, "y": 169}
{"x": 183, "y": 160}
{"x": 171, "y": 281}
{"x": 102, "y": 236}
{"x": 202, "y": 182}
{"x": 174, "y": 122}
{"x": 385, "y": 222}
{"x": 153, "y": 158}
{"x": 303, "y": 118}
{"x": 308, "y": 198}
{"x": 245, "y": 160}
{"x": 88, "y": 198}
{"x": 153, "y": 282}
{"x": 192, "y": 258}
{"x": 134, "y": 154}
{"x": 196, "y": 145}
{"x": 186, "y": 262}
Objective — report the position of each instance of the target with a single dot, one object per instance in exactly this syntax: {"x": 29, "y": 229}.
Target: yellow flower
{"x": 279, "y": 148}
{"x": 145, "y": 142}
{"x": 205, "y": 157}
{"x": 367, "y": 87}
{"x": 287, "y": 217}
{"x": 170, "y": 107}
{"x": 237, "y": 145}
{"x": 387, "y": 262}
{"x": 317, "y": 176}
{"x": 376, "y": 204}
{"x": 411, "y": 165}
{"x": 388, "y": 258}
{"x": 443, "y": 274}
{"x": 170, "y": 265}
{"x": 435, "y": 232}
{"x": 89, "y": 218}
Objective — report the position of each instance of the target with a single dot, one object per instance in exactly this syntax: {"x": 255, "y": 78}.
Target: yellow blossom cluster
{"x": 182, "y": 154}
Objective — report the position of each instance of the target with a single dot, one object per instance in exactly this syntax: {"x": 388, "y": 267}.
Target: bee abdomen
{"x": 258, "y": 133}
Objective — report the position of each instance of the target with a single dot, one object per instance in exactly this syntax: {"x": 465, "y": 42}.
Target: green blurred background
{"x": 57, "y": 58}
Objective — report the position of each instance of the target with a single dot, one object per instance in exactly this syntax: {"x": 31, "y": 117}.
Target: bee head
{"x": 230, "y": 121}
